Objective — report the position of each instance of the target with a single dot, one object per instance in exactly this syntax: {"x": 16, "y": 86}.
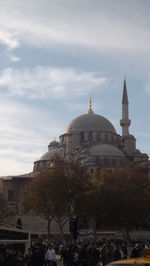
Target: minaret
{"x": 128, "y": 140}
{"x": 125, "y": 121}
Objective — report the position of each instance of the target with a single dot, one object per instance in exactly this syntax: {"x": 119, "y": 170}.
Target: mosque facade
{"x": 90, "y": 139}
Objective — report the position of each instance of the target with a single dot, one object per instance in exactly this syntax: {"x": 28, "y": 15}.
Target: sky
{"x": 54, "y": 56}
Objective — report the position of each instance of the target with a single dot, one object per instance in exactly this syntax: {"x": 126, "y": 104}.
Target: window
{"x": 112, "y": 138}
{"x": 101, "y": 160}
{"x": 106, "y": 162}
{"x": 97, "y": 137}
{"x": 90, "y": 136}
{"x": 10, "y": 195}
{"x": 91, "y": 171}
{"x": 81, "y": 136}
{"x": 97, "y": 160}
{"x": 121, "y": 163}
{"x": 114, "y": 162}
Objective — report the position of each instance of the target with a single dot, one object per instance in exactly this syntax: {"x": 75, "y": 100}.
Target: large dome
{"x": 90, "y": 122}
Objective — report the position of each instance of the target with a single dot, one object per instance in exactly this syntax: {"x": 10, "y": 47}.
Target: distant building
{"x": 93, "y": 141}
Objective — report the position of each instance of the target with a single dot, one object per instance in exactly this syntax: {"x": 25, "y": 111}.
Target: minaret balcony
{"x": 125, "y": 122}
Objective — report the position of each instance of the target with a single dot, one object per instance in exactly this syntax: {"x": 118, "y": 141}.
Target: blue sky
{"x": 54, "y": 56}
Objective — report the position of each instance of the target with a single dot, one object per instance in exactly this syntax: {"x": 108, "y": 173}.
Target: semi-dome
{"x": 90, "y": 122}
{"x": 50, "y": 154}
{"x": 106, "y": 150}
{"x": 44, "y": 161}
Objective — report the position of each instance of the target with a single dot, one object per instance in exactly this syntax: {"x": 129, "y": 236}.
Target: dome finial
{"x": 90, "y": 111}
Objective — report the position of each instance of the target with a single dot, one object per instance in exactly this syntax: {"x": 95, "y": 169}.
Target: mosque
{"x": 92, "y": 140}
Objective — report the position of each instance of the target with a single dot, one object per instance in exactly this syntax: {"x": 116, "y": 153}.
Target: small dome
{"x": 106, "y": 150}
{"x": 47, "y": 156}
{"x": 90, "y": 122}
{"x": 53, "y": 144}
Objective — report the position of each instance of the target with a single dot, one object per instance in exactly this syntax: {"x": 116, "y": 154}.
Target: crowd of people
{"x": 71, "y": 254}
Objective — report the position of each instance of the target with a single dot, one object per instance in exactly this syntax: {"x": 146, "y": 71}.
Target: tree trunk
{"x": 126, "y": 235}
{"x": 61, "y": 229}
{"x": 49, "y": 228}
{"x": 94, "y": 229}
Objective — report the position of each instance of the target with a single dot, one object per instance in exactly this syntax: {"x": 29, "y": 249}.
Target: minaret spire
{"x": 125, "y": 94}
{"x": 90, "y": 111}
{"x": 125, "y": 121}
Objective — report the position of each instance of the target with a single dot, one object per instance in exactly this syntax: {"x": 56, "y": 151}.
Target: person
{"x": 116, "y": 250}
{"x": 136, "y": 251}
{"x": 50, "y": 256}
{"x": 106, "y": 254}
{"x": 63, "y": 255}
{"x": 37, "y": 257}
{"x": 84, "y": 256}
{"x": 124, "y": 251}
{"x": 70, "y": 256}
{"x": 76, "y": 256}
{"x": 94, "y": 255}
{"x": 28, "y": 257}
{"x": 2, "y": 262}
{"x": 17, "y": 260}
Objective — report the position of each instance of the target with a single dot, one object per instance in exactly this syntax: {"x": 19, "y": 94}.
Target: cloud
{"x": 44, "y": 82}
{"x": 15, "y": 167}
{"x": 9, "y": 40}
{"x": 12, "y": 57}
{"x": 147, "y": 86}
{"x": 25, "y": 135}
{"x": 100, "y": 25}
{"x": 116, "y": 30}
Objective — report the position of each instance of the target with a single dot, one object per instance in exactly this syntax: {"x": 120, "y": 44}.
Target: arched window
{"x": 114, "y": 162}
{"x": 97, "y": 137}
{"x": 81, "y": 136}
{"x": 91, "y": 171}
{"x": 90, "y": 136}
{"x": 112, "y": 138}
{"x": 106, "y": 162}
{"x": 82, "y": 222}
